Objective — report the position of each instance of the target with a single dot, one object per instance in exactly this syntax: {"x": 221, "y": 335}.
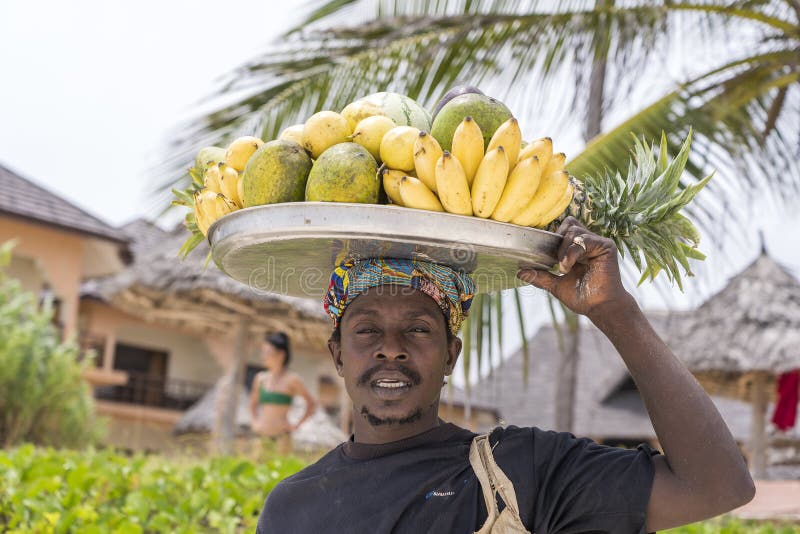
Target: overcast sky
{"x": 91, "y": 89}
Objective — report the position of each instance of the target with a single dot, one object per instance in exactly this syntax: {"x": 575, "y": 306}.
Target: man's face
{"x": 394, "y": 355}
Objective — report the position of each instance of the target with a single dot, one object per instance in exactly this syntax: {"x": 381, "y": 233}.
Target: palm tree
{"x": 743, "y": 101}
{"x": 742, "y": 106}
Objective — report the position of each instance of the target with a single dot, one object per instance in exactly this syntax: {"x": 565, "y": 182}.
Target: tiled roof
{"x": 23, "y": 198}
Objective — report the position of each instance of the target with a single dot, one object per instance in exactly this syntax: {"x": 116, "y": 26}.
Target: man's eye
{"x": 424, "y": 329}
{"x": 366, "y": 331}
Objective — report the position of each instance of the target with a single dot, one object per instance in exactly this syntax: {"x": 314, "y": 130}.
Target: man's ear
{"x": 336, "y": 355}
{"x": 453, "y": 350}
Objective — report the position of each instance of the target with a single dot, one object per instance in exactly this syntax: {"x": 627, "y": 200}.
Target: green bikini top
{"x": 273, "y": 397}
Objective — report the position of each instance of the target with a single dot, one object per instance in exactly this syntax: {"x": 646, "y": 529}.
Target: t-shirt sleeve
{"x": 583, "y": 486}
{"x": 568, "y": 485}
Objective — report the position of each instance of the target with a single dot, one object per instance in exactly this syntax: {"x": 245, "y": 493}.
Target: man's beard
{"x": 374, "y": 420}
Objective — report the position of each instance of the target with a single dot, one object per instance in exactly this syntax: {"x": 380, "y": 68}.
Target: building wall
{"x": 189, "y": 358}
{"x": 28, "y": 273}
{"x": 58, "y": 254}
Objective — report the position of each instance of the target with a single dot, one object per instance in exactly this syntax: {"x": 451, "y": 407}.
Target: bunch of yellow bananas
{"x": 525, "y": 185}
{"x": 220, "y": 173}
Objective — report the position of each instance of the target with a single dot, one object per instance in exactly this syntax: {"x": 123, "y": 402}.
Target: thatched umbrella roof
{"x": 158, "y": 286}
{"x": 753, "y": 324}
{"x": 199, "y": 418}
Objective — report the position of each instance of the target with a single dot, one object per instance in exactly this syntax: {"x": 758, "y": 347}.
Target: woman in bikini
{"x": 271, "y": 395}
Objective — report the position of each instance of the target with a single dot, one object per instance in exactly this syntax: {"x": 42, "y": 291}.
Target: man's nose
{"x": 391, "y": 348}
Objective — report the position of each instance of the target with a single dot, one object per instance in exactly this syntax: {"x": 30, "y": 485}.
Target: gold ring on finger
{"x": 578, "y": 240}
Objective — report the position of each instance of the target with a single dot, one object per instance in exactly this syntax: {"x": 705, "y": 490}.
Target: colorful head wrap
{"x": 452, "y": 291}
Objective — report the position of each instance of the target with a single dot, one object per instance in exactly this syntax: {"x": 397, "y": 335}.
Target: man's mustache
{"x": 413, "y": 376}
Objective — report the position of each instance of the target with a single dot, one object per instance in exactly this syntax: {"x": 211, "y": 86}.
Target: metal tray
{"x": 291, "y": 248}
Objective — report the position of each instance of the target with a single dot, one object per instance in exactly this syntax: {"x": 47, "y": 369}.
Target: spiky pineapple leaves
{"x": 641, "y": 212}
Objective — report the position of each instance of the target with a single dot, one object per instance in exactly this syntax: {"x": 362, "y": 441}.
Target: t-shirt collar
{"x": 367, "y": 451}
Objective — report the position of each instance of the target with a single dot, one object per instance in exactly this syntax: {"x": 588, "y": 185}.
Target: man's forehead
{"x": 404, "y": 301}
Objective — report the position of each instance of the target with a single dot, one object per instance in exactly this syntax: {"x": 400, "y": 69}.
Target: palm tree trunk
{"x": 567, "y": 376}
{"x": 568, "y": 364}
{"x": 594, "y": 111}
{"x": 597, "y": 79}
{"x": 228, "y": 401}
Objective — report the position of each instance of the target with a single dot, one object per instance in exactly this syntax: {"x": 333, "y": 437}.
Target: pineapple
{"x": 641, "y": 212}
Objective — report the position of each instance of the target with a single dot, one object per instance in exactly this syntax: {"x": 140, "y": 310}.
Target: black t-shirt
{"x": 426, "y": 484}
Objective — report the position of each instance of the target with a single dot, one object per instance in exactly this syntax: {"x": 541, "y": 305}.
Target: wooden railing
{"x": 146, "y": 390}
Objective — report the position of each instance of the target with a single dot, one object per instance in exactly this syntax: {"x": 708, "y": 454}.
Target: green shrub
{"x": 51, "y": 491}
{"x": 731, "y": 525}
{"x": 43, "y": 398}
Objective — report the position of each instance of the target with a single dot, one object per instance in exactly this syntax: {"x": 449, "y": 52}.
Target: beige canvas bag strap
{"x": 493, "y": 481}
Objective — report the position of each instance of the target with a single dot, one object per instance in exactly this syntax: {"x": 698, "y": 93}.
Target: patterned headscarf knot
{"x": 452, "y": 291}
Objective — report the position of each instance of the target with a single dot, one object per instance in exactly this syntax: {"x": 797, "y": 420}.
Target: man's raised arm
{"x": 702, "y": 473}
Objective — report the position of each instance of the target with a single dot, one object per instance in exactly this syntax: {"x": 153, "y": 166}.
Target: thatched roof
{"x": 607, "y": 405}
{"x": 199, "y": 418}
{"x": 158, "y": 286}
{"x": 453, "y": 395}
{"x": 753, "y": 324}
{"x": 317, "y": 433}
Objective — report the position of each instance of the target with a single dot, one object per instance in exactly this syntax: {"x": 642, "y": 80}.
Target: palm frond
{"x": 420, "y": 56}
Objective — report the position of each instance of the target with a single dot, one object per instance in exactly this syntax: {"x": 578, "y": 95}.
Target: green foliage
{"x": 51, "y": 491}
{"x": 731, "y": 525}
{"x": 43, "y": 398}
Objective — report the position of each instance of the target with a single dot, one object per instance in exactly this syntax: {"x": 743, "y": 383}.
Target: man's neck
{"x": 364, "y": 432}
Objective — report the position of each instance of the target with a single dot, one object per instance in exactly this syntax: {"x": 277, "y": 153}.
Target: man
{"x": 405, "y": 470}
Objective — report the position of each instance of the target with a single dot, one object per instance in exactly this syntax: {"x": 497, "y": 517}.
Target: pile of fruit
{"x": 468, "y": 159}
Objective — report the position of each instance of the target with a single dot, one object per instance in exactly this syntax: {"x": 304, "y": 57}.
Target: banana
{"x": 521, "y": 186}
{"x": 542, "y": 148}
{"x": 240, "y": 190}
{"x": 426, "y": 153}
{"x": 490, "y": 180}
{"x": 416, "y": 194}
{"x": 211, "y": 179}
{"x": 391, "y": 184}
{"x": 229, "y": 184}
{"x": 558, "y": 208}
{"x": 508, "y": 136}
{"x": 205, "y": 209}
{"x": 551, "y": 190}
{"x": 452, "y": 185}
{"x": 199, "y": 219}
{"x": 224, "y": 206}
{"x": 555, "y": 164}
{"x": 468, "y": 147}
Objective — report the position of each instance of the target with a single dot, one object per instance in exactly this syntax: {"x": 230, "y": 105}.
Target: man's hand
{"x": 590, "y": 279}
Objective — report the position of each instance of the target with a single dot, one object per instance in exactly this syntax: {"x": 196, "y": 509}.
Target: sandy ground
{"x": 775, "y": 499}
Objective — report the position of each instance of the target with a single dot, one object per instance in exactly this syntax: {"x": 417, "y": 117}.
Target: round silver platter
{"x": 291, "y": 248}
